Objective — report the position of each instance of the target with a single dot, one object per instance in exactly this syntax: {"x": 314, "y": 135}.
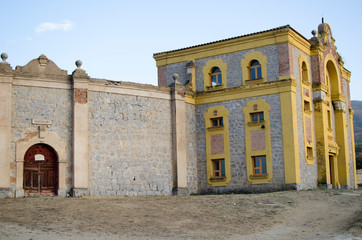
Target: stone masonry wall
{"x": 239, "y": 180}
{"x": 234, "y": 71}
{"x": 46, "y": 104}
{"x": 191, "y": 149}
{"x": 308, "y": 173}
{"x": 130, "y": 145}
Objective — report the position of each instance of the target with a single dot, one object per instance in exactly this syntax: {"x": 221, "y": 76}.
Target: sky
{"x": 116, "y": 40}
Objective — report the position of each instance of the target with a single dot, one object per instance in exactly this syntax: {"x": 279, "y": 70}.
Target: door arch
{"x": 40, "y": 170}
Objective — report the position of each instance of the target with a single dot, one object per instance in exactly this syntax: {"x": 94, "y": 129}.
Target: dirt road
{"x": 317, "y": 214}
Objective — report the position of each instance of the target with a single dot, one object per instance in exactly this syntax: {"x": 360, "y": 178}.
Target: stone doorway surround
{"x": 51, "y": 139}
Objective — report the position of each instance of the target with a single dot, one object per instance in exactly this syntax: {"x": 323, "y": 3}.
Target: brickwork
{"x": 46, "y": 104}
{"x": 284, "y": 59}
{"x": 239, "y": 180}
{"x": 130, "y": 145}
{"x": 80, "y": 96}
{"x": 162, "y": 77}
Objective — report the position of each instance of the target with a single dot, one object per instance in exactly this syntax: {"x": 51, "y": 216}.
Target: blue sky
{"x": 116, "y": 39}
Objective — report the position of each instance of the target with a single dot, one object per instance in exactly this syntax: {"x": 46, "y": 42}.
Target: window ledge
{"x": 210, "y": 88}
{"x": 262, "y": 176}
{"x": 216, "y": 128}
{"x": 307, "y": 111}
{"x": 217, "y": 179}
{"x": 251, "y": 81}
{"x": 256, "y": 123}
{"x": 306, "y": 82}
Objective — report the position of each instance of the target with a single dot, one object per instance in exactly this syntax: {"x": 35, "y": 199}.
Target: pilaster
{"x": 290, "y": 137}
{"x": 80, "y": 131}
{"x": 6, "y": 79}
{"x": 342, "y": 141}
{"x": 178, "y": 116}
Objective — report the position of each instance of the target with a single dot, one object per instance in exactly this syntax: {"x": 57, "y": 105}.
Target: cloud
{"x": 50, "y": 26}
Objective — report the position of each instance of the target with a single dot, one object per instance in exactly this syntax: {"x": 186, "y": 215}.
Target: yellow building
{"x": 272, "y": 110}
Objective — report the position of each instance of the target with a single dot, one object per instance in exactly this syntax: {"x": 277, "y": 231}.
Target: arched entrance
{"x": 40, "y": 171}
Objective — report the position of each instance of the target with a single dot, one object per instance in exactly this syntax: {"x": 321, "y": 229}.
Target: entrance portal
{"x": 331, "y": 169}
{"x": 40, "y": 171}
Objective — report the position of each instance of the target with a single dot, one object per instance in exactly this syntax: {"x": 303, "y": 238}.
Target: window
{"x": 216, "y": 78}
{"x": 219, "y": 168}
{"x": 329, "y": 120}
{"x": 307, "y": 106}
{"x": 257, "y": 117}
{"x": 214, "y": 72}
{"x": 305, "y": 77}
{"x": 217, "y": 122}
{"x": 255, "y": 70}
{"x": 259, "y": 165}
{"x": 309, "y": 152}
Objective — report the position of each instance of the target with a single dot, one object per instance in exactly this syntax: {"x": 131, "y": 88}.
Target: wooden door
{"x": 40, "y": 170}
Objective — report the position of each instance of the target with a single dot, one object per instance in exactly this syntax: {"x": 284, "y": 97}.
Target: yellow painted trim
{"x": 247, "y": 91}
{"x": 346, "y": 75}
{"x": 245, "y": 66}
{"x": 342, "y": 141}
{"x": 221, "y": 111}
{"x": 351, "y": 112}
{"x": 305, "y": 84}
{"x": 262, "y": 106}
{"x": 206, "y": 70}
{"x": 235, "y": 45}
{"x": 190, "y": 99}
{"x": 290, "y": 137}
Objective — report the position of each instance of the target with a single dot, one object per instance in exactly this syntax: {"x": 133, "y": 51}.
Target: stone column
{"x": 6, "y": 78}
{"x": 80, "y": 132}
{"x": 178, "y": 116}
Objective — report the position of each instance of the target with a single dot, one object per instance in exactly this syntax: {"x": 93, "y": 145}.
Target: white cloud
{"x": 50, "y": 26}
{"x": 29, "y": 38}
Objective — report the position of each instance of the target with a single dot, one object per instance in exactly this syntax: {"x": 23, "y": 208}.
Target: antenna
{"x": 322, "y": 19}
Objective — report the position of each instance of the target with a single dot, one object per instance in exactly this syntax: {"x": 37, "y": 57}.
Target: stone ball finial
{"x": 314, "y": 32}
{"x": 78, "y": 63}
{"x": 4, "y": 56}
{"x": 175, "y": 77}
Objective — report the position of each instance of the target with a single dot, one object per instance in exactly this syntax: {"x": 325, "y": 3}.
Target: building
{"x": 261, "y": 112}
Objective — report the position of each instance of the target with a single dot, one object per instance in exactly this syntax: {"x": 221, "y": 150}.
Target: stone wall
{"x": 40, "y": 103}
{"x": 130, "y": 145}
{"x": 234, "y": 71}
{"x": 191, "y": 149}
{"x": 239, "y": 180}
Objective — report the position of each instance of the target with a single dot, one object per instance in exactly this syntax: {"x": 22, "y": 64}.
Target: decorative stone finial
{"x": 78, "y": 63}
{"x": 314, "y": 33}
{"x": 4, "y": 56}
{"x": 175, "y": 77}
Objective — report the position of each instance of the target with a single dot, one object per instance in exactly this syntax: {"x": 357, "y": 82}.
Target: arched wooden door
{"x": 40, "y": 170}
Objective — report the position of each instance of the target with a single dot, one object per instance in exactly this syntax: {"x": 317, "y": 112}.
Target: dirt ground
{"x": 314, "y": 214}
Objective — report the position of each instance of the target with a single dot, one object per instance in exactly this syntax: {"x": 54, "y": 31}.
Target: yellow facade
{"x": 310, "y": 88}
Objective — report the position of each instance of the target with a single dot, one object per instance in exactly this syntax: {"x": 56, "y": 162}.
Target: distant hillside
{"x": 357, "y": 124}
